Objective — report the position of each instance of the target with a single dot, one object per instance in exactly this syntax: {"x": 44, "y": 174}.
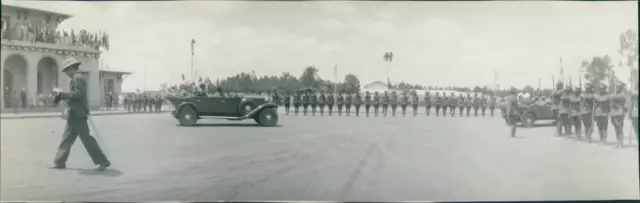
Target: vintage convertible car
{"x": 532, "y": 111}
{"x": 188, "y": 110}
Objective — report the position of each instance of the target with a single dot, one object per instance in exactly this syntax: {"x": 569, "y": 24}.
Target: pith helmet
{"x": 70, "y": 63}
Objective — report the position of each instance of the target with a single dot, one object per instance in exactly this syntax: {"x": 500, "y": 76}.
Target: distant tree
{"x": 309, "y": 76}
{"x": 598, "y": 69}
{"x": 352, "y": 83}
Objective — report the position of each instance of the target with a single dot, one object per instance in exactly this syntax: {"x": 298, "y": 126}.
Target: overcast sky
{"x": 434, "y": 43}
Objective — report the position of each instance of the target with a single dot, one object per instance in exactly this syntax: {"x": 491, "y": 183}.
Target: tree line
{"x": 595, "y": 71}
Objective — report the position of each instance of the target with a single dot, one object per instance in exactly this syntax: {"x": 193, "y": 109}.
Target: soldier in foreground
{"x": 367, "y": 102}
{"x": 376, "y": 103}
{"x": 618, "y": 109}
{"x": 287, "y": 103}
{"x": 357, "y": 102}
{"x": 77, "y": 115}
{"x": 385, "y": 103}
{"x": 340, "y": 103}
{"x": 469, "y": 103}
{"x": 296, "y": 102}
{"x": 476, "y": 104}
{"x": 394, "y": 103}
{"x": 438, "y": 103}
{"x": 513, "y": 111}
{"x": 322, "y": 100}
{"x": 556, "y": 97}
{"x": 483, "y": 104}
{"x": 305, "y": 102}
{"x": 492, "y": 104}
{"x": 633, "y": 114}
{"x": 415, "y": 101}
{"x": 603, "y": 106}
{"x": 576, "y": 112}
{"x": 313, "y": 101}
{"x": 330, "y": 102}
{"x": 461, "y": 104}
{"x": 453, "y": 103}
{"x": 404, "y": 99}
{"x": 587, "y": 107}
{"x": 427, "y": 102}
{"x": 565, "y": 111}
{"x": 347, "y": 103}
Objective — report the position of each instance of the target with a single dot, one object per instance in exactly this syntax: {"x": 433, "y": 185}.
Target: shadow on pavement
{"x": 109, "y": 172}
{"x": 233, "y": 125}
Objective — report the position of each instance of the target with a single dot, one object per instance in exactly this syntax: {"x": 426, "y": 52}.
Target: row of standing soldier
{"x": 143, "y": 103}
{"x": 576, "y": 109}
{"x": 384, "y": 101}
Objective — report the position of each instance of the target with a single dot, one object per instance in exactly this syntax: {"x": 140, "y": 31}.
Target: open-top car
{"x": 532, "y": 111}
{"x": 189, "y": 109}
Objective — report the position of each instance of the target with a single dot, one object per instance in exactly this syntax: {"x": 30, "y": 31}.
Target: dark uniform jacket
{"x": 321, "y": 99}
{"x": 415, "y": 100}
{"x": 576, "y": 105}
{"x": 367, "y": 99}
{"x": 565, "y": 104}
{"x": 404, "y": 100}
{"x": 385, "y": 99}
{"x": 587, "y": 102}
{"x": 357, "y": 100}
{"x": 634, "y": 104}
{"x": 348, "y": 99}
{"x": 340, "y": 99}
{"x": 77, "y": 98}
{"x": 376, "y": 99}
{"x": 313, "y": 100}
{"x": 287, "y": 100}
{"x": 618, "y": 107}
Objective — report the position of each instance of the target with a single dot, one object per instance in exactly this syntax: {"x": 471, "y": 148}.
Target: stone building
{"x": 33, "y": 50}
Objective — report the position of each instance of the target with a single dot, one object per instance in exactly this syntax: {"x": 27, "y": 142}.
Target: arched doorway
{"x": 47, "y": 76}
{"x": 14, "y": 79}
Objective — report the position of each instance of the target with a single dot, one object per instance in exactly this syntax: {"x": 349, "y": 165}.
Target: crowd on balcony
{"x": 41, "y": 33}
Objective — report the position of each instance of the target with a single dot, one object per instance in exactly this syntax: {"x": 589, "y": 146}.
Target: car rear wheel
{"x": 268, "y": 117}
{"x": 187, "y": 116}
{"x": 528, "y": 120}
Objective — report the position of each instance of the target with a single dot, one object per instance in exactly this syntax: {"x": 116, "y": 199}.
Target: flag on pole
{"x": 193, "y": 42}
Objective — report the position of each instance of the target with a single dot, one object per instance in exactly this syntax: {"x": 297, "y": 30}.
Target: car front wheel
{"x": 528, "y": 120}
{"x": 268, "y": 117}
{"x": 187, "y": 116}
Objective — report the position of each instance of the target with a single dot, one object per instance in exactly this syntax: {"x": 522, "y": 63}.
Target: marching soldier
{"x": 438, "y": 103}
{"x": 461, "y": 104}
{"x": 633, "y": 114}
{"x": 556, "y": 99}
{"x": 565, "y": 111}
{"x": 357, "y": 102}
{"x": 492, "y": 104}
{"x": 367, "y": 102}
{"x": 587, "y": 104}
{"x": 513, "y": 111}
{"x": 476, "y": 104}
{"x": 330, "y": 102}
{"x": 445, "y": 104}
{"x": 483, "y": 104}
{"x": 313, "y": 101}
{"x": 618, "y": 109}
{"x": 376, "y": 103}
{"x": 603, "y": 106}
{"x": 347, "y": 103}
{"x": 297, "y": 100}
{"x": 385, "y": 103}
{"x": 340, "y": 102}
{"x": 403, "y": 103}
{"x": 415, "y": 101}
{"x": 322, "y": 100}
{"x": 452, "y": 104}
{"x": 287, "y": 103}
{"x": 305, "y": 102}
{"x": 394, "y": 102}
{"x": 427, "y": 102}
{"x": 469, "y": 103}
{"x": 576, "y": 112}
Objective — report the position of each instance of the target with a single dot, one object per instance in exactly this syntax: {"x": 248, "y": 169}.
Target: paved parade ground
{"x": 314, "y": 158}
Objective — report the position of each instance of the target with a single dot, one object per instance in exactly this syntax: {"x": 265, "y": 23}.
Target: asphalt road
{"x": 314, "y": 158}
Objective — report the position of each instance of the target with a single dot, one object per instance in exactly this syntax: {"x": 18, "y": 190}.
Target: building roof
{"x": 375, "y": 83}
{"x": 66, "y": 16}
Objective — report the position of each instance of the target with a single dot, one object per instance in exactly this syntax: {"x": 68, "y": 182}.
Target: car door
{"x": 543, "y": 110}
{"x": 206, "y": 105}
